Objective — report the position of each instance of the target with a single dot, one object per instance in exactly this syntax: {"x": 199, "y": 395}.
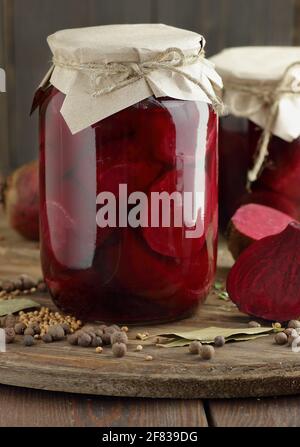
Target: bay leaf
{"x": 180, "y": 342}
{"x": 209, "y": 333}
{"x": 16, "y": 305}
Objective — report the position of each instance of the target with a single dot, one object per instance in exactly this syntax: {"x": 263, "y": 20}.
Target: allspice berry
{"x": 207, "y": 352}
{"x": 253, "y": 324}
{"x": 28, "y": 340}
{"x": 96, "y": 342}
{"x": 119, "y": 349}
{"x": 57, "y": 333}
{"x": 294, "y": 324}
{"x": 8, "y": 286}
{"x": 9, "y": 335}
{"x": 29, "y": 331}
{"x": 84, "y": 340}
{"x": 281, "y": 338}
{"x": 73, "y": 339}
{"x": 118, "y": 337}
{"x": 194, "y": 347}
{"x": 47, "y": 338}
{"x": 36, "y": 327}
{"x": 27, "y": 282}
{"x": 106, "y": 338}
{"x": 219, "y": 341}
{"x": 288, "y": 331}
{"x": 20, "y": 328}
{"x": 66, "y": 328}
{"x": 10, "y": 320}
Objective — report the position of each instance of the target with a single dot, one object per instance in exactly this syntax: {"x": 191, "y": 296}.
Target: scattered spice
{"x": 124, "y": 329}
{"x": 148, "y": 358}
{"x": 9, "y": 335}
{"x": 254, "y": 324}
{"x": 47, "y": 338}
{"x": 99, "y": 349}
{"x": 194, "y": 347}
{"x": 28, "y": 340}
{"x": 139, "y": 348}
{"x": 119, "y": 349}
{"x": 219, "y": 341}
{"x": 119, "y": 337}
{"x": 20, "y": 328}
{"x": 84, "y": 339}
{"x": 57, "y": 332}
{"x": 281, "y": 338}
{"x": 294, "y": 324}
{"x": 207, "y": 352}
{"x": 29, "y": 331}
{"x": 97, "y": 342}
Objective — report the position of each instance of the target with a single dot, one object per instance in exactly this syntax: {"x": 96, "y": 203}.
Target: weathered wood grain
{"x": 271, "y": 412}
{"x": 33, "y": 408}
{"x": 254, "y": 368}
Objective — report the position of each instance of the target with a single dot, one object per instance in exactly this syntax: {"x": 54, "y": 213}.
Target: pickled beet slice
{"x": 157, "y": 135}
{"x": 172, "y": 241}
{"x": 265, "y": 280}
{"x": 143, "y": 272}
{"x": 137, "y": 176}
{"x": 253, "y": 222}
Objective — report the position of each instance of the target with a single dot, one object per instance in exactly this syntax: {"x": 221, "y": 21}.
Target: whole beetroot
{"x": 21, "y": 200}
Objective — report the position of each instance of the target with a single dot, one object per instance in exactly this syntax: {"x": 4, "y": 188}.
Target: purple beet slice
{"x": 265, "y": 280}
{"x": 137, "y": 176}
{"x": 142, "y": 272}
{"x": 171, "y": 240}
{"x": 253, "y": 222}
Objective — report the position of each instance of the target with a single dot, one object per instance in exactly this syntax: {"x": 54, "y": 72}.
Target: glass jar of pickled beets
{"x": 261, "y": 93}
{"x": 129, "y": 201}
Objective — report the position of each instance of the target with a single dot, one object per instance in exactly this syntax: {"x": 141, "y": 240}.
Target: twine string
{"x": 269, "y": 96}
{"x": 112, "y": 76}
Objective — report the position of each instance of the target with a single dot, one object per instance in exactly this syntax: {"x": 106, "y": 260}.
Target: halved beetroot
{"x": 143, "y": 272}
{"x": 171, "y": 240}
{"x": 265, "y": 280}
{"x": 273, "y": 200}
{"x": 253, "y": 222}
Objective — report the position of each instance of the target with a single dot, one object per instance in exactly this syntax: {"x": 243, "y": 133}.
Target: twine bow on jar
{"x": 270, "y": 96}
{"x": 112, "y": 76}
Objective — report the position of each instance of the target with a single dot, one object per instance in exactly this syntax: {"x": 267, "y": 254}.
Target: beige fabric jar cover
{"x": 105, "y": 69}
{"x": 263, "y": 85}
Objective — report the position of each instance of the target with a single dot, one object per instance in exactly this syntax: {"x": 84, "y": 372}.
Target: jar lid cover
{"x": 263, "y": 85}
{"x": 105, "y": 69}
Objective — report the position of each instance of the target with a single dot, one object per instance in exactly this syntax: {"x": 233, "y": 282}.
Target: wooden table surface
{"x": 20, "y": 407}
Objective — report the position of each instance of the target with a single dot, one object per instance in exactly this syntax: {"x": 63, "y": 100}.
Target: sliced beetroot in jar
{"x": 156, "y": 131}
{"x": 282, "y": 169}
{"x": 72, "y": 227}
{"x": 265, "y": 280}
{"x": 137, "y": 176}
{"x": 143, "y": 272}
{"x": 253, "y": 222}
{"x": 172, "y": 240}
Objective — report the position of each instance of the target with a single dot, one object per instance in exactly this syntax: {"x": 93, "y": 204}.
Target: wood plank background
{"x": 24, "y": 26}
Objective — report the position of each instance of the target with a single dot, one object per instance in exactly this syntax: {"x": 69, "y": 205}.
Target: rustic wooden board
{"x": 254, "y": 368}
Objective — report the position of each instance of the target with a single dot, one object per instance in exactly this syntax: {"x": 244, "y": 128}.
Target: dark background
{"x": 24, "y": 54}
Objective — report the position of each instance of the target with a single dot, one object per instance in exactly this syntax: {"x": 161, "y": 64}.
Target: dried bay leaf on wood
{"x": 16, "y": 305}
